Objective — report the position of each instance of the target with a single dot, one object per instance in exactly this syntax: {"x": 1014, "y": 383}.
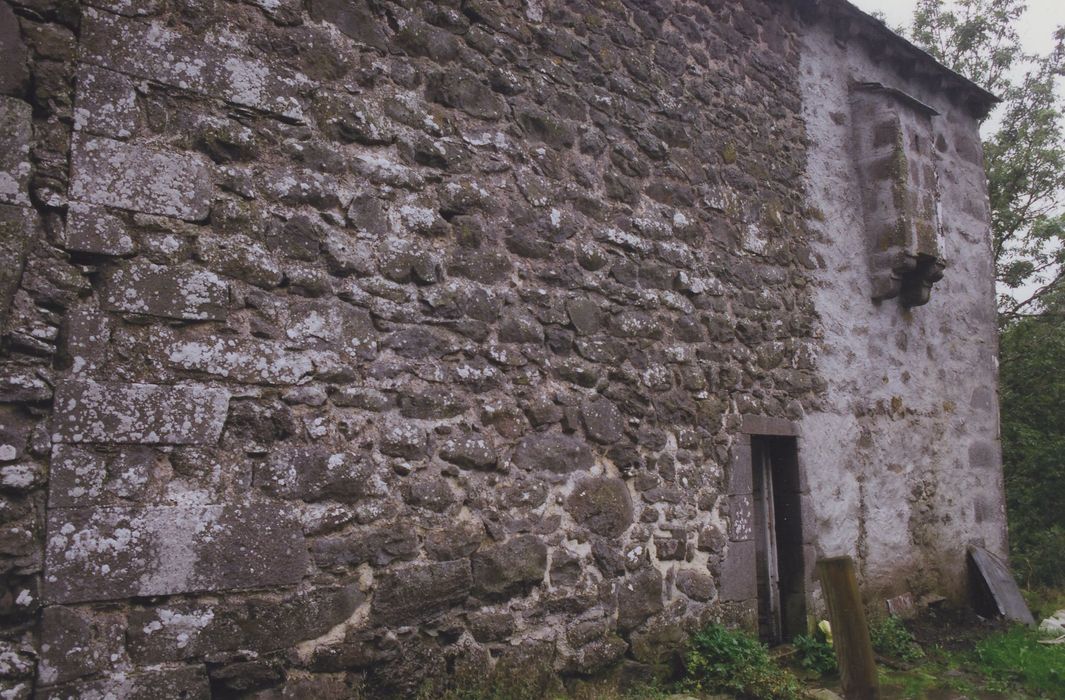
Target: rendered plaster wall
{"x": 350, "y": 344}
{"x": 903, "y": 458}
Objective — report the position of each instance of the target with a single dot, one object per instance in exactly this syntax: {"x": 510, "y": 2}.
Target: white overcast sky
{"x": 1036, "y": 26}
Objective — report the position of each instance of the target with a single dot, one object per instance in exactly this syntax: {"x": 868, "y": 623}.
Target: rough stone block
{"x": 464, "y": 90}
{"x": 553, "y": 452}
{"x": 183, "y": 292}
{"x": 603, "y": 421}
{"x": 506, "y": 569}
{"x": 402, "y": 438}
{"x": 470, "y": 451}
{"x": 314, "y": 472}
{"x": 379, "y": 545}
{"x": 322, "y": 324}
{"x": 154, "y": 51}
{"x": 90, "y": 229}
{"x": 114, "y": 553}
{"x": 181, "y": 630}
{"x": 639, "y": 597}
{"x": 16, "y": 132}
{"x": 77, "y": 643}
{"x": 138, "y": 413}
{"x": 240, "y": 257}
{"x": 105, "y": 103}
{"x": 141, "y": 178}
{"x": 187, "y": 683}
{"x": 455, "y": 540}
{"x": 739, "y": 573}
{"x": 697, "y": 585}
{"x": 420, "y": 591}
{"x": 14, "y": 71}
{"x": 351, "y": 17}
{"x": 602, "y": 504}
{"x": 80, "y": 477}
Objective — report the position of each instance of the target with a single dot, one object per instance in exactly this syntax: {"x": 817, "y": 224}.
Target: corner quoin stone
{"x": 141, "y": 178}
{"x": 154, "y": 51}
{"x": 113, "y": 553}
{"x": 148, "y": 414}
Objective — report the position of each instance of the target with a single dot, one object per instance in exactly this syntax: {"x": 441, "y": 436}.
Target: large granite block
{"x": 183, "y": 291}
{"x": 154, "y": 51}
{"x": 115, "y": 553}
{"x": 141, "y": 178}
{"x": 148, "y": 414}
{"x": 247, "y": 360}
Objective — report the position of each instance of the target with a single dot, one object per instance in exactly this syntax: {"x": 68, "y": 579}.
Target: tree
{"x": 1025, "y": 161}
{"x": 1025, "y": 156}
{"x": 1032, "y": 388}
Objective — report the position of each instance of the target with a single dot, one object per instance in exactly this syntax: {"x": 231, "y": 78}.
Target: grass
{"x": 1015, "y": 660}
{"x": 977, "y": 660}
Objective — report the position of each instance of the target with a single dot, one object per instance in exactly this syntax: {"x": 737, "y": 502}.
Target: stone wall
{"x": 354, "y": 344}
{"x": 903, "y": 455}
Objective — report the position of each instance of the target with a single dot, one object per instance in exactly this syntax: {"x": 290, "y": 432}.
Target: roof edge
{"x": 849, "y": 22}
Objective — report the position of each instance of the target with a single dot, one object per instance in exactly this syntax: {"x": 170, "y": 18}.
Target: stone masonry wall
{"x": 352, "y": 344}
{"x": 903, "y": 454}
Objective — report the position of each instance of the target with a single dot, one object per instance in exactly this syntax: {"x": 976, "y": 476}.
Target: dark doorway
{"x": 778, "y": 538}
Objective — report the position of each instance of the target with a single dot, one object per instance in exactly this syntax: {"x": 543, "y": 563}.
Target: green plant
{"x": 816, "y": 654}
{"x": 725, "y": 661}
{"x": 891, "y": 638}
{"x": 1016, "y": 658}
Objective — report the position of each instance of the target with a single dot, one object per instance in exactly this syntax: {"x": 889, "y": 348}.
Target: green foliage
{"x": 816, "y": 654}
{"x": 1017, "y": 660}
{"x": 891, "y": 638}
{"x": 977, "y": 38}
{"x": 1032, "y": 388}
{"x": 724, "y": 661}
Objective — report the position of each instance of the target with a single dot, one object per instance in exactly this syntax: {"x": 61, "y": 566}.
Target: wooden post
{"x": 850, "y": 633}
